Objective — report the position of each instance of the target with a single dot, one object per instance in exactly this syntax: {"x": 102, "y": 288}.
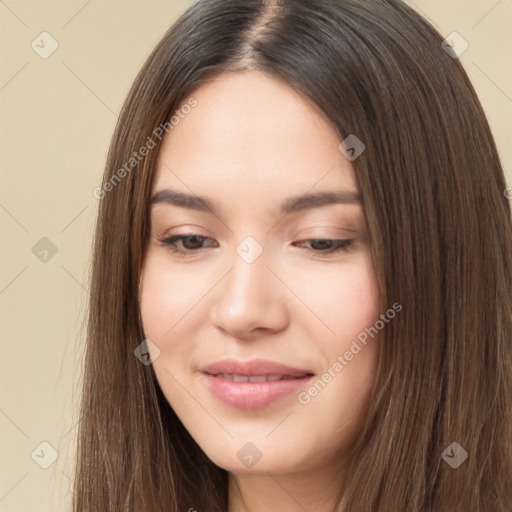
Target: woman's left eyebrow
{"x": 290, "y": 205}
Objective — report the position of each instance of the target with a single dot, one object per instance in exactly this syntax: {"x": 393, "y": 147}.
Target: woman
{"x": 302, "y": 276}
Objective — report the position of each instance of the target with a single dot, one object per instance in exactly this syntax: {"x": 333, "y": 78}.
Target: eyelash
{"x": 169, "y": 244}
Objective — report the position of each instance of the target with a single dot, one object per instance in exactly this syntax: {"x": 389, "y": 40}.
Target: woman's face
{"x": 256, "y": 288}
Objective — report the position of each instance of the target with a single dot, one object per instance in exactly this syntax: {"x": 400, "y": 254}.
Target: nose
{"x": 250, "y": 301}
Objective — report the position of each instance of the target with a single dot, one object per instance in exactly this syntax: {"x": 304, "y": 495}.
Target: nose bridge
{"x": 250, "y": 295}
{"x": 249, "y": 280}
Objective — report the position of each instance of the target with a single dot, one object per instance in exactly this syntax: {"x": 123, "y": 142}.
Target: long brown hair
{"x": 441, "y": 244}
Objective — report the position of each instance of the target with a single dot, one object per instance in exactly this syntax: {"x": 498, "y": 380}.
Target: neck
{"x": 313, "y": 491}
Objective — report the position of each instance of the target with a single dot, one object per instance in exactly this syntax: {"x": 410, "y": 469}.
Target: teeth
{"x": 255, "y": 378}
{"x": 259, "y": 378}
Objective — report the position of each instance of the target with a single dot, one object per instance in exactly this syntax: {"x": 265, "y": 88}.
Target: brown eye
{"x": 189, "y": 243}
{"x": 326, "y": 245}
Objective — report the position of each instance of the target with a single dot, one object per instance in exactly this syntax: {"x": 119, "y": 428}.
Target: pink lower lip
{"x": 253, "y": 395}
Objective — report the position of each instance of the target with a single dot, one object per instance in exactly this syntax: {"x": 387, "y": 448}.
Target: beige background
{"x": 57, "y": 117}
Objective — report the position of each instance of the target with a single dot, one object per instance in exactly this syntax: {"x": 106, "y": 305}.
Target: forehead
{"x": 251, "y": 135}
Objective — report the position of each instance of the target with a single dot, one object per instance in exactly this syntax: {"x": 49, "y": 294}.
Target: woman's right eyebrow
{"x": 176, "y": 198}
{"x": 290, "y": 205}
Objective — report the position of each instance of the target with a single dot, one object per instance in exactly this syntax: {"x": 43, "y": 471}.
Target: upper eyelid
{"x": 304, "y": 236}
{"x": 353, "y": 224}
{"x": 323, "y": 215}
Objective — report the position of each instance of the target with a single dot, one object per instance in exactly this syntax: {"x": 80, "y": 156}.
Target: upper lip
{"x": 253, "y": 368}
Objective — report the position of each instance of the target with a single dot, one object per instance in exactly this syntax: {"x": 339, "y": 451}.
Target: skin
{"x": 250, "y": 143}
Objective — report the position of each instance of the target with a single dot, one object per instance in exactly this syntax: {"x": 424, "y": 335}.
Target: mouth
{"x": 253, "y": 384}
{"x": 255, "y": 378}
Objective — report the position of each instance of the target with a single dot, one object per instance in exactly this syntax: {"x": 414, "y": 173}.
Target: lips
{"x": 255, "y": 367}
{"x": 253, "y": 384}
{"x": 254, "y": 378}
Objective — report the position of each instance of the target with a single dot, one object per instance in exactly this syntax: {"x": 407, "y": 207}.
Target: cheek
{"x": 164, "y": 302}
{"x": 168, "y": 297}
{"x": 169, "y": 310}
{"x": 358, "y": 304}
{"x": 354, "y": 316}
{"x": 344, "y": 298}
{"x": 348, "y": 305}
